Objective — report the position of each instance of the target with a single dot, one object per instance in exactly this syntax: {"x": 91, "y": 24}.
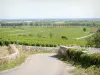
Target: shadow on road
{"x": 55, "y": 56}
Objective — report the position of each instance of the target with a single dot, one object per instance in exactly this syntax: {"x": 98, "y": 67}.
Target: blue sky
{"x": 23, "y": 9}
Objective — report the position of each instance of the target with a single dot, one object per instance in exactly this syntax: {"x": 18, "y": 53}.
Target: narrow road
{"x": 41, "y": 64}
{"x": 84, "y": 36}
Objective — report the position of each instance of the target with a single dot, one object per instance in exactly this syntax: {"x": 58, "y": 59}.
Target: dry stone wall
{"x": 29, "y": 48}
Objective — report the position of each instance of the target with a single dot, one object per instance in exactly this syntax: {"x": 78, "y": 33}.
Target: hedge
{"x": 74, "y": 54}
{"x": 28, "y": 43}
{"x": 83, "y": 58}
{"x": 90, "y": 59}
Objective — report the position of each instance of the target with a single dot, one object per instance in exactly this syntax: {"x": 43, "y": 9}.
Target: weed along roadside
{"x": 13, "y": 53}
{"x": 83, "y": 60}
{"x": 5, "y": 62}
{"x": 20, "y": 53}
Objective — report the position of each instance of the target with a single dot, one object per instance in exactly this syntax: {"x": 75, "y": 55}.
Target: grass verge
{"x": 8, "y": 64}
{"x": 92, "y": 70}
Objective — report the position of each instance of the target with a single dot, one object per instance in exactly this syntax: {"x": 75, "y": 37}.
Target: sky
{"x": 33, "y": 9}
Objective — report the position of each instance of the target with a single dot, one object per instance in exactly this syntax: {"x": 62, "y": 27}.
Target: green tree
{"x": 50, "y": 34}
{"x": 94, "y": 40}
{"x": 84, "y": 29}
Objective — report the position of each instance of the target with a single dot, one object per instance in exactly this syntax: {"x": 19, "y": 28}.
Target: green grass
{"x": 30, "y": 36}
{"x": 57, "y": 31}
{"x": 92, "y": 70}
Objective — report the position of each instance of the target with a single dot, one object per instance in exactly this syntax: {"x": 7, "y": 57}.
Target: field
{"x": 44, "y": 36}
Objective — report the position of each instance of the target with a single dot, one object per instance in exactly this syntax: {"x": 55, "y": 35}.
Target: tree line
{"x": 15, "y": 24}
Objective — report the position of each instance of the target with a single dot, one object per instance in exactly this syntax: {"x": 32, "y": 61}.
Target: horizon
{"x": 53, "y": 18}
{"x": 48, "y": 18}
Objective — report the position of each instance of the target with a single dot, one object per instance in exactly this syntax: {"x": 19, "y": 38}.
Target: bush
{"x": 25, "y": 43}
{"x": 11, "y": 42}
{"x": 1, "y": 42}
{"x": 33, "y": 44}
{"x": 51, "y": 45}
{"x": 74, "y": 54}
{"x": 64, "y": 37}
{"x": 42, "y": 45}
{"x": 7, "y": 43}
{"x": 91, "y": 59}
{"x": 37, "y": 44}
{"x": 94, "y": 40}
{"x": 47, "y": 45}
{"x": 55, "y": 45}
{"x": 84, "y": 29}
{"x": 83, "y": 58}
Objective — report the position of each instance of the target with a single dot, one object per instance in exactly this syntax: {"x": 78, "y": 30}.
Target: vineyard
{"x": 43, "y": 36}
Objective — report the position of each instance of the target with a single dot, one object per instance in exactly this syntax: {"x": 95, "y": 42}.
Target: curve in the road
{"x": 40, "y": 64}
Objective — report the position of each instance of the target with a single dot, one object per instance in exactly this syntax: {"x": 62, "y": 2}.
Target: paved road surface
{"x": 41, "y": 64}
